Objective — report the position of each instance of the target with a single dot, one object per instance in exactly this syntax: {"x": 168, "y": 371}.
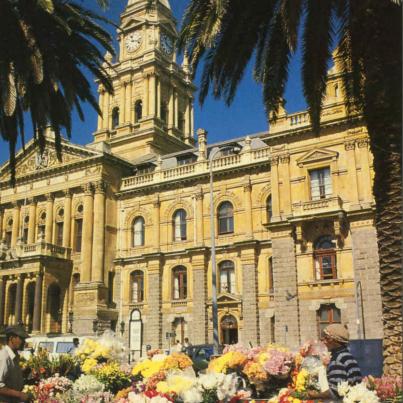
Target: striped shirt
{"x": 342, "y": 367}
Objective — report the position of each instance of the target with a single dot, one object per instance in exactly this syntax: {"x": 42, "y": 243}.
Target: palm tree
{"x": 226, "y": 34}
{"x": 45, "y": 46}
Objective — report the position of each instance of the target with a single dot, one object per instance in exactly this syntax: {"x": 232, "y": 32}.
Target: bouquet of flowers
{"x": 111, "y": 376}
{"x": 50, "y": 389}
{"x": 387, "y": 388}
{"x": 356, "y": 394}
{"x": 106, "y": 348}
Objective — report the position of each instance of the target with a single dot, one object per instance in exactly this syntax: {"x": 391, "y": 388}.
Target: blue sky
{"x": 244, "y": 116}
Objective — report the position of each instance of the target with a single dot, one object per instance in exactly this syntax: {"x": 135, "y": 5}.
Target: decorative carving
{"x": 49, "y": 197}
{"x": 88, "y": 188}
{"x": 316, "y": 155}
{"x": 349, "y": 145}
{"x": 274, "y": 160}
{"x": 363, "y": 143}
{"x": 285, "y": 158}
{"x": 100, "y": 187}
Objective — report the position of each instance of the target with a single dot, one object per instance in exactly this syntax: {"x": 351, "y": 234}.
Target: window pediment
{"x": 226, "y": 298}
{"x": 317, "y": 155}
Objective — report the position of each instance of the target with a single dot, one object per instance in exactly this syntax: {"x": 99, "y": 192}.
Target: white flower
{"x": 135, "y": 398}
{"x": 360, "y": 394}
{"x": 343, "y": 388}
{"x": 159, "y": 399}
{"x": 208, "y": 381}
{"x": 87, "y": 384}
{"x": 192, "y": 395}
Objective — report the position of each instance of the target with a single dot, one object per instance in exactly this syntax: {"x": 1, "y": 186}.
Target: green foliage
{"x": 45, "y": 48}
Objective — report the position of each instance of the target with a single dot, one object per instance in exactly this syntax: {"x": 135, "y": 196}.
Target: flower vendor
{"x": 342, "y": 367}
{"x": 11, "y": 379}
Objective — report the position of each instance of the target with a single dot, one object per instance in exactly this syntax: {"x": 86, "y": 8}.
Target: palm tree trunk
{"x": 388, "y": 222}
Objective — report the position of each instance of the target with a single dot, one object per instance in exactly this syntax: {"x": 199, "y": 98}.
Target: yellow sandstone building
{"x": 117, "y": 235}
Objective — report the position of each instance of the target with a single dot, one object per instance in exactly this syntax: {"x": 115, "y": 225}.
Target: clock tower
{"x": 151, "y": 110}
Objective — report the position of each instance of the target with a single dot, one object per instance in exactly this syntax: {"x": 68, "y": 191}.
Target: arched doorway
{"x": 229, "y": 330}
{"x": 30, "y": 301}
{"x": 54, "y": 309}
{"x": 11, "y": 304}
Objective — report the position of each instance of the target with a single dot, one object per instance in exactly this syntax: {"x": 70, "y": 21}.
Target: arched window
{"x": 9, "y": 231}
{"x": 137, "y": 286}
{"x": 42, "y": 225}
{"x": 227, "y": 276}
{"x": 325, "y": 258}
{"x": 115, "y": 117}
{"x": 59, "y": 227}
{"x": 271, "y": 277}
{"x": 225, "y": 218}
{"x": 138, "y": 231}
{"x": 336, "y": 90}
{"x": 179, "y": 283}
{"x": 25, "y": 229}
{"x": 138, "y": 110}
{"x": 327, "y": 314}
{"x": 78, "y": 228}
{"x": 269, "y": 209}
{"x": 179, "y": 225}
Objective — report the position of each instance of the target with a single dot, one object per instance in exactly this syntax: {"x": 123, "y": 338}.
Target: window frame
{"x": 115, "y": 117}
{"x": 328, "y": 192}
{"x": 227, "y": 267}
{"x": 78, "y": 234}
{"x": 330, "y": 309}
{"x": 179, "y": 272}
{"x": 138, "y": 232}
{"x": 134, "y": 276}
{"x": 228, "y": 219}
{"x": 138, "y": 107}
{"x": 181, "y": 226}
{"x": 319, "y": 254}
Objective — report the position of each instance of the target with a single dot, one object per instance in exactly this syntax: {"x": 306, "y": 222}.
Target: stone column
{"x": 285, "y": 287}
{"x": 16, "y": 224}
{"x": 352, "y": 171}
{"x": 129, "y": 103}
{"x": 32, "y": 222}
{"x": 1, "y": 222}
{"x": 36, "y": 325}
{"x": 199, "y": 323}
{"x": 199, "y": 218}
{"x": 275, "y": 196}
{"x": 156, "y": 226}
{"x": 146, "y": 90}
{"x": 153, "y": 94}
{"x": 2, "y": 298}
{"x": 176, "y": 108}
{"x": 186, "y": 129}
{"x": 171, "y": 108}
{"x": 67, "y": 219}
{"x": 88, "y": 222}
{"x": 191, "y": 118}
{"x": 249, "y": 298}
{"x": 158, "y": 97}
{"x": 18, "y": 302}
{"x": 153, "y": 325}
{"x": 49, "y": 218}
{"x": 285, "y": 167}
{"x": 98, "y": 246}
{"x": 123, "y": 102}
{"x": 105, "y": 111}
{"x": 100, "y": 122}
{"x": 367, "y": 196}
{"x": 247, "y": 189}
{"x": 366, "y": 268}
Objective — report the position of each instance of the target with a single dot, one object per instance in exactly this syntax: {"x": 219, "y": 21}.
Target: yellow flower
{"x": 237, "y": 359}
{"x": 162, "y": 387}
{"x": 147, "y": 368}
{"x": 301, "y": 380}
{"x": 88, "y": 365}
{"x": 177, "y": 361}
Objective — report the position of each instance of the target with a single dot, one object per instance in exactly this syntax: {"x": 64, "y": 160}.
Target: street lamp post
{"x": 235, "y": 149}
{"x": 214, "y": 151}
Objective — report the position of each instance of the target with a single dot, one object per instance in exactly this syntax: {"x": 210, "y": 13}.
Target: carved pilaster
{"x": 362, "y": 143}
{"x": 349, "y": 145}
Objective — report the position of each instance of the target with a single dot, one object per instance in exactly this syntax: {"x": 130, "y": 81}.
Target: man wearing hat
{"x": 342, "y": 367}
{"x": 11, "y": 380}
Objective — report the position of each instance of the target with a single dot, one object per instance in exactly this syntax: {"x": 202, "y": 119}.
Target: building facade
{"x": 118, "y": 234}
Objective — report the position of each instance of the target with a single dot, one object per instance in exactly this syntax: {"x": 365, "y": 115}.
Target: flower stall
{"x": 272, "y": 373}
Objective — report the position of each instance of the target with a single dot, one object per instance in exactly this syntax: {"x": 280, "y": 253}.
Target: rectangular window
{"x": 227, "y": 280}
{"x": 8, "y": 238}
{"x": 25, "y": 235}
{"x": 180, "y": 285}
{"x": 59, "y": 233}
{"x": 321, "y": 183}
{"x": 225, "y": 225}
{"x": 78, "y": 234}
{"x": 41, "y": 231}
{"x": 271, "y": 278}
{"x": 325, "y": 265}
{"x": 327, "y": 315}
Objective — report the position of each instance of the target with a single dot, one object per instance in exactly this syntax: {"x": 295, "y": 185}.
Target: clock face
{"x": 166, "y": 44}
{"x": 133, "y": 41}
